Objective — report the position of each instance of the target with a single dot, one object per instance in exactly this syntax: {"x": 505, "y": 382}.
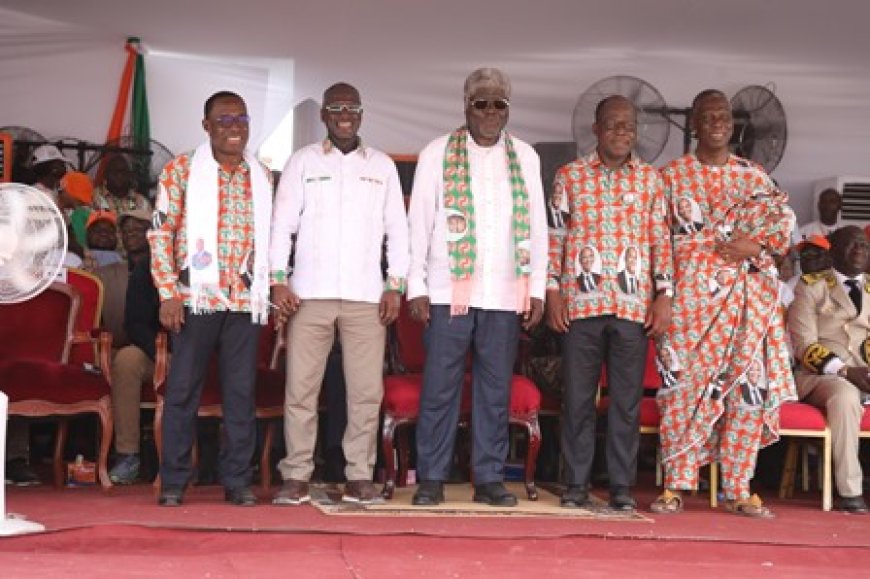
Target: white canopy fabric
{"x": 60, "y": 63}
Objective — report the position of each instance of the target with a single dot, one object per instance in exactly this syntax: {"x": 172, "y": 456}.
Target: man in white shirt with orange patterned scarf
{"x": 474, "y": 285}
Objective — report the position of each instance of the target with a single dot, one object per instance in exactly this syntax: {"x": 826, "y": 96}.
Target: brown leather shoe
{"x": 363, "y": 492}
{"x": 293, "y": 492}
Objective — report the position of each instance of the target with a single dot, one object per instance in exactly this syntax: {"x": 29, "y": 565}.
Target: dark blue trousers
{"x": 234, "y": 338}
{"x": 492, "y": 338}
{"x": 622, "y": 345}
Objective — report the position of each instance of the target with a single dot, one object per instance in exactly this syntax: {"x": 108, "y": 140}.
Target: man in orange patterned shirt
{"x": 217, "y": 199}
{"x": 727, "y": 317}
{"x": 616, "y": 211}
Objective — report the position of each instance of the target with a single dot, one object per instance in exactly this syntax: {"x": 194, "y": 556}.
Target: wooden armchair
{"x": 269, "y": 393}
{"x": 36, "y": 372}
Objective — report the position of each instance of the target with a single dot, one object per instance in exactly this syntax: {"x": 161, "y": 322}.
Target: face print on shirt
{"x": 687, "y": 218}
{"x": 457, "y": 225}
{"x": 588, "y": 268}
{"x": 628, "y": 271}
{"x": 753, "y": 384}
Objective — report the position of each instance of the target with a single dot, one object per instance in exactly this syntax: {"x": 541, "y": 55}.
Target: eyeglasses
{"x": 338, "y": 109}
{"x": 497, "y": 104}
{"x": 227, "y": 121}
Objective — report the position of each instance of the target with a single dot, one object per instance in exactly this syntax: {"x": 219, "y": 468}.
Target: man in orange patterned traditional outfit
{"x": 744, "y": 219}
{"x": 615, "y": 206}
{"x": 217, "y": 197}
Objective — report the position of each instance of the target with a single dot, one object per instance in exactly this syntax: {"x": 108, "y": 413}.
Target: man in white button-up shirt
{"x": 473, "y": 283}
{"x": 342, "y": 200}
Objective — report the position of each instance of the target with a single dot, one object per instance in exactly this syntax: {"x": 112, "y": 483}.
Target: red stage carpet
{"x": 126, "y": 535}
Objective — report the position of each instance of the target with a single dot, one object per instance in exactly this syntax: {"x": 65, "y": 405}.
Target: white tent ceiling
{"x": 409, "y": 58}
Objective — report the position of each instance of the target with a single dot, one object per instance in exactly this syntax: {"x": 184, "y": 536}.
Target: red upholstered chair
{"x": 401, "y": 405}
{"x": 269, "y": 393}
{"x": 802, "y": 421}
{"x": 36, "y": 340}
{"x": 92, "y": 292}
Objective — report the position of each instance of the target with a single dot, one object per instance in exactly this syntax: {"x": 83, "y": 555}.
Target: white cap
{"x": 45, "y": 153}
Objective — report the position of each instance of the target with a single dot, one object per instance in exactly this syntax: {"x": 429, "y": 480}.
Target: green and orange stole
{"x": 458, "y": 200}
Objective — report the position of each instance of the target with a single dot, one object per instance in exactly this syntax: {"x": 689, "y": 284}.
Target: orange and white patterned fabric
{"x": 235, "y": 228}
{"x": 725, "y": 362}
{"x": 616, "y": 250}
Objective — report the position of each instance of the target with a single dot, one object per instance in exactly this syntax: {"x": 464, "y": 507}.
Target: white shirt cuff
{"x": 833, "y": 366}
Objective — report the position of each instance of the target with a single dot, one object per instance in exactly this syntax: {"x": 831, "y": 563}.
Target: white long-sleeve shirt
{"x": 341, "y": 207}
{"x": 495, "y": 279}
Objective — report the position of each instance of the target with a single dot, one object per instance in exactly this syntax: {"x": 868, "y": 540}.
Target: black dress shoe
{"x": 171, "y": 497}
{"x": 575, "y": 497}
{"x": 429, "y": 494}
{"x": 240, "y": 496}
{"x": 621, "y": 500}
{"x": 494, "y": 494}
{"x": 854, "y": 505}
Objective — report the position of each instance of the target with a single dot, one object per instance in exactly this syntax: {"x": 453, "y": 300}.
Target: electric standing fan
{"x": 32, "y": 247}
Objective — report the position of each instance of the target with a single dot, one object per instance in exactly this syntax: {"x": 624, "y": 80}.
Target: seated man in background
{"x": 132, "y": 365}
{"x": 829, "y": 322}
{"x": 133, "y": 227}
{"x": 102, "y": 238}
{"x": 116, "y": 191}
{"x": 49, "y": 166}
{"x": 813, "y": 257}
{"x": 828, "y": 206}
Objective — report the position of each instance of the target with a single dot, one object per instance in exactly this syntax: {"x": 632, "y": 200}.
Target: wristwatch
{"x": 668, "y": 292}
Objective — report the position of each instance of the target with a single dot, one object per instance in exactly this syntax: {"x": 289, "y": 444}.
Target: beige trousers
{"x": 311, "y": 334}
{"x": 841, "y": 402}
{"x": 130, "y": 368}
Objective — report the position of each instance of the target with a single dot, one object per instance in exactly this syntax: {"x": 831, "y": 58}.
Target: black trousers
{"x": 492, "y": 337}
{"x": 234, "y": 338}
{"x": 622, "y": 345}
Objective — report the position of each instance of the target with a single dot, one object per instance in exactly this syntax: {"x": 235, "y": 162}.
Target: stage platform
{"x": 125, "y": 534}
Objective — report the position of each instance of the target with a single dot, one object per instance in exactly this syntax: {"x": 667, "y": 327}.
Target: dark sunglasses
{"x": 227, "y": 121}
{"x": 497, "y": 104}
{"x": 338, "y": 109}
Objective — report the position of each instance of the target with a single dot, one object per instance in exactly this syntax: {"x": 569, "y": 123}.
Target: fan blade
{"x": 44, "y": 238}
{"x": 20, "y": 277}
{"x": 17, "y": 208}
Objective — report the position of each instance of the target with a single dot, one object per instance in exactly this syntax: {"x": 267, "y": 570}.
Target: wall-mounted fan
{"x": 32, "y": 247}
{"x": 653, "y": 125}
{"x": 24, "y": 140}
{"x": 760, "y": 130}
{"x": 147, "y": 163}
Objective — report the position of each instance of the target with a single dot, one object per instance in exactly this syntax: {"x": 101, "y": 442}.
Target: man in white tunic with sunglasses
{"x": 342, "y": 200}
{"x": 478, "y": 228}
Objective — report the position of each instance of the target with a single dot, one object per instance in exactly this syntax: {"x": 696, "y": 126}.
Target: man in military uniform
{"x": 829, "y": 322}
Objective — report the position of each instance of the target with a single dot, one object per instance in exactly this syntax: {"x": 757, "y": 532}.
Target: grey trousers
{"x": 492, "y": 338}
{"x": 590, "y": 342}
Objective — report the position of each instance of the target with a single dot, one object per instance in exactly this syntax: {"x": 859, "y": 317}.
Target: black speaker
{"x": 553, "y": 157}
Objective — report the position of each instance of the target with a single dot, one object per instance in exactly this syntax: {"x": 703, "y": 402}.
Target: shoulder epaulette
{"x": 811, "y": 278}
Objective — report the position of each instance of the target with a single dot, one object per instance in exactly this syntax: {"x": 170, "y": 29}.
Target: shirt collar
{"x": 328, "y": 146}
{"x": 595, "y": 161}
{"x": 842, "y": 278}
